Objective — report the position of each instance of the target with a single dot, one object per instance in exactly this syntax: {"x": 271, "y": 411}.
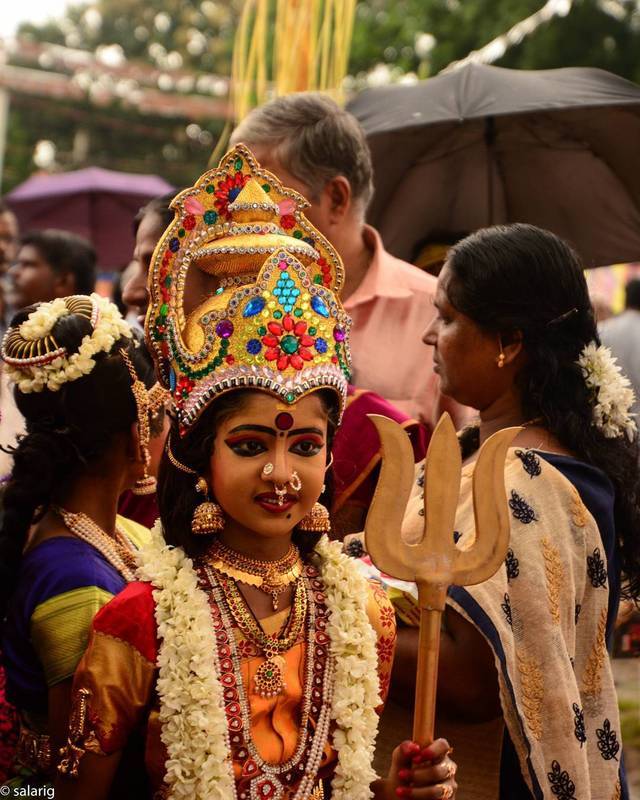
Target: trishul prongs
{"x": 433, "y": 561}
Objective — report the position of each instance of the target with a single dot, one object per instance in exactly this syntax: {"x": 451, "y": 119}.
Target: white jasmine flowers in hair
{"x": 611, "y": 392}
{"x": 41, "y": 321}
{"x": 109, "y": 327}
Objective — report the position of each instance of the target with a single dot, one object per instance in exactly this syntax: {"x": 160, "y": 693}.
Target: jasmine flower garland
{"x": 194, "y": 726}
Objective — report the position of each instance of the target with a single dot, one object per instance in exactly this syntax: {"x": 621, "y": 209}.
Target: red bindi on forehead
{"x": 284, "y": 421}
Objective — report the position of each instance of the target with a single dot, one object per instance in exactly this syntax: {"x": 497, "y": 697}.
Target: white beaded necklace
{"x": 118, "y": 551}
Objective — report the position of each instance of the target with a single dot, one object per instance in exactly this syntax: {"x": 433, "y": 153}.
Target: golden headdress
{"x": 244, "y": 293}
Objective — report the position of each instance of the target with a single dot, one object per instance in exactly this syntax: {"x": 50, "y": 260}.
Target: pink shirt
{"x": 391, "y": 310}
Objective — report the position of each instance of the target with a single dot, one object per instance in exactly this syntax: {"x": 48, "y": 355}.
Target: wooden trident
{"x": 432, "y": 560}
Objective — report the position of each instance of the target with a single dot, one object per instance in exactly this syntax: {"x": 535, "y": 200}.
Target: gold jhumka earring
{"x": 318, "y": 519}
{"x": 208, "y": 517}
{"x": 147, "y": 403}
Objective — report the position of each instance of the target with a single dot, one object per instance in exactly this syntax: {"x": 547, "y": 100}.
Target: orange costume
{"x": 119, "y": 669}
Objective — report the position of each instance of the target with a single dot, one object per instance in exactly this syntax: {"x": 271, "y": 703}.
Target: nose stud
{"x": 267, "y": 469}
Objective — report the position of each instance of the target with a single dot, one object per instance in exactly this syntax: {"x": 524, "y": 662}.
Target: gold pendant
{"x": 269, "y": 679}
{"x": 275, "y": 592}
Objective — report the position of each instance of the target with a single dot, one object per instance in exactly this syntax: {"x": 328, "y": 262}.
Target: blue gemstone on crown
{"x": 254, "y": 306}
{"x": 319, "y": 306}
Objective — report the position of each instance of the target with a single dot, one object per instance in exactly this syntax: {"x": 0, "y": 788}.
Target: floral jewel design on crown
{"x": 244, "y": 293}
{"x": 34, "y": 359}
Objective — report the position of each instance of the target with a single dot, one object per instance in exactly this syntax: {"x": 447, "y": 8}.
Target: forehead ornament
{"x": 284, "y": 421}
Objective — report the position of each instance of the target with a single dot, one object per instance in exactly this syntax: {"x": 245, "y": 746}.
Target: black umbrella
{"x": 484, "y": 145}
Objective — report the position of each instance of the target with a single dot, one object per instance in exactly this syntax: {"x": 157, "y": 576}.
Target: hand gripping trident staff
{"x": 433, "y": 561}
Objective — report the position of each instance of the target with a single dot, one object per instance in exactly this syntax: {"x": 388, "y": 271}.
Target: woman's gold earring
{"x": 147, "y": 484}
{"x": 208, "y": 517}
{"x": 316, "y": 521}
{"x": 500, "y": 360}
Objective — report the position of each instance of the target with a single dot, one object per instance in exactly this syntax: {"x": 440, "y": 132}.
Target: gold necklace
{"x": 118, "y": 551}
{"x": 269, "y": 678}
{"x": 271, "y": 577}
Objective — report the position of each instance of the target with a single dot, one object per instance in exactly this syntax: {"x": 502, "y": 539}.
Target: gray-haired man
{"x": 317, "y": 148}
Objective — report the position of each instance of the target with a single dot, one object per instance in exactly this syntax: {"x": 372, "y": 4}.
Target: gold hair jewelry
{"x": 316, "y": 521}
{"x": 158, "y": 399}
{"x": 267, "y": 469}
{"x": 147, "y": 483}
{"x": 271, "y": 577}
{"x": 173, "y": 460}
{"x": 208, "y": 516}
{"x": 18, "y": 346}
{"x": 34, "y": 359}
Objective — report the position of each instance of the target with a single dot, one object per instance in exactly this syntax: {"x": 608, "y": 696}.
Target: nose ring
{"x": 267, "y": 469}
{"x": 294, "y": 482}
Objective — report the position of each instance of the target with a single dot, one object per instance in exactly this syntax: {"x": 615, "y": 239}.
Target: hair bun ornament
{"x": 35, "y": 361}
{"x": 244, "y": 293}
{"x": 611, "y": 392}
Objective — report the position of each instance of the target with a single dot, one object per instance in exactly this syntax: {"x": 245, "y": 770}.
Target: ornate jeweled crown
{"x": 244, "y": 293}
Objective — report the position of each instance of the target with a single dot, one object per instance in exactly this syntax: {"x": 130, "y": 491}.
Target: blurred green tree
{"x": 596, "y": 33}
{"x": 195, "y": 39}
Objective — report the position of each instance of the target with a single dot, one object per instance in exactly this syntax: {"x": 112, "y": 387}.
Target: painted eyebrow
{"x": 258, "y": 428}
{"x": 271, "y": 432}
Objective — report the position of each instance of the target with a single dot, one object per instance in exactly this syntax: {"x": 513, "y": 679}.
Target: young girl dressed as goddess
{"x": 251, "y": 659}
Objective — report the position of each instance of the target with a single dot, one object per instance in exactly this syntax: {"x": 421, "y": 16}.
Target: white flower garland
{"x": 611, "y": 391}
{"x": 356, "y": 693}
{"x": 41, "y": 321}
{"x": 36, "y": 377}
{"x": 194, "y": 725}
